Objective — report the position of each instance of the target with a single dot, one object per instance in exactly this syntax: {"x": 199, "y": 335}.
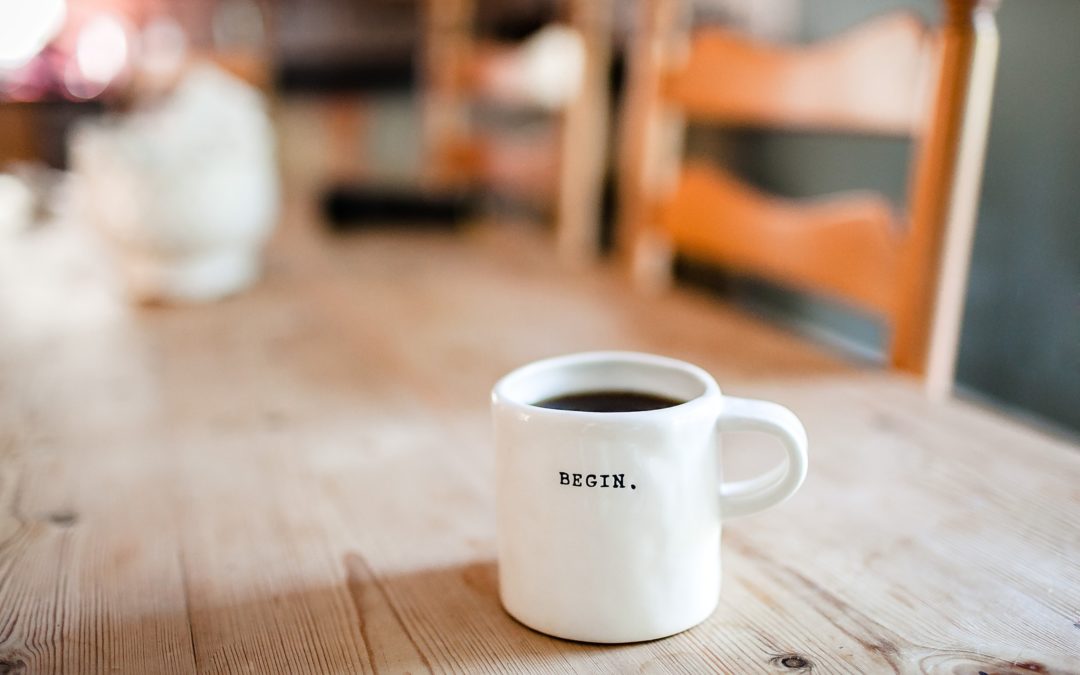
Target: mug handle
{"x": 741, "y": 498}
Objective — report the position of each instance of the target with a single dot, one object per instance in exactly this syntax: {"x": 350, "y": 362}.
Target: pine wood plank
{"x": 299, "y": 479}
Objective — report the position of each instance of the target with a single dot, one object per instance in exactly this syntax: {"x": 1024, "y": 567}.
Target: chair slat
{"x": 890, "y": 75}
{"x": 870, "y": 79}
{"x": 522, "y": 166}
{"x": 845, "y": 246}
{"x": 489, "y": 74}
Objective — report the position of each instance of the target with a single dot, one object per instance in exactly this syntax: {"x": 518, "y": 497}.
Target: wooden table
{"x": 300, "y": 479}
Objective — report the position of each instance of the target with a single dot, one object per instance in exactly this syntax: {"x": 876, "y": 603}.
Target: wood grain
{"x": 299, "y": 479}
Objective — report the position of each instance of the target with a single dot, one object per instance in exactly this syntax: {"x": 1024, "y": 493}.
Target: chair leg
{"x": 345, "y": 119}
{"x": 584, "y": 156}
{"x": 651, "y": 259}
{"x": 945, "y": 201}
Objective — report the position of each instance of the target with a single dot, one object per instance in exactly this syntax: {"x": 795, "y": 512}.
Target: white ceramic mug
{"x": 609, "y": 522}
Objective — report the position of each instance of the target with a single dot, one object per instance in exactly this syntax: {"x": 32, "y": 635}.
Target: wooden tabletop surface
{"x": 299, "y": 479}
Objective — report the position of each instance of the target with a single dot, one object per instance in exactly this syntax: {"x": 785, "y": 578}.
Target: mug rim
{"x": 710, "y": 389}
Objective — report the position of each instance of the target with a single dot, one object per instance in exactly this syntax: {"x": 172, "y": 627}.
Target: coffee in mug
{"x": 609, "y": 401}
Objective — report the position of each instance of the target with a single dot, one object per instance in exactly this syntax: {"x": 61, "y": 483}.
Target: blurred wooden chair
{"x": 243, "y": 38}
{"x": 252, "y": 66}
{"x": 891, "y": 76}
{"x": 460, "y": 69}
{"x": 18, "y": 133}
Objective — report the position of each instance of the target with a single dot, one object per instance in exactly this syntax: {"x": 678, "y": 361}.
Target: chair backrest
{"x": 252, "y": 66}
{"x": 891, "y": 76}
{"x": 460, "y": 69}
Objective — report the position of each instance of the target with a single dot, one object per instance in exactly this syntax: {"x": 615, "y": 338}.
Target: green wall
{"x": 1021, "y": 340}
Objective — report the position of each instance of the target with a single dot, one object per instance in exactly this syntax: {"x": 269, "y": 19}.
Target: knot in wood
{"x": 793, "y": 662}
{"x": 12, "y": 666}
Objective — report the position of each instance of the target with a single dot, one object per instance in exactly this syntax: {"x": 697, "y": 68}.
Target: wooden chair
{"x": 255, "y": 68}
{"x": 890, "y": 76}
{"x": 18, "y": 133}
{"x": 457, "y": 69}
{"x": 253, "y": 61}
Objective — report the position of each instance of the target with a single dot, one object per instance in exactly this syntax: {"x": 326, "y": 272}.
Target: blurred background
{"x": 358, "y": 106}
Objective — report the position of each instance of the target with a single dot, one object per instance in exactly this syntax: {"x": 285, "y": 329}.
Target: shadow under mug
{"x": 609, "y": 522}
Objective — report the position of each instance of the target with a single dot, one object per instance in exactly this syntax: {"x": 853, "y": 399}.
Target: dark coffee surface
{"x": 609, "y": 401}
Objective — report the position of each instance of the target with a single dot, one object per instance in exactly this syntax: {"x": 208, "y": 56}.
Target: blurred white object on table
{"x": 546, "y": 70}
{"x": 16, "y": 204}
{"x": 185, "y": 188}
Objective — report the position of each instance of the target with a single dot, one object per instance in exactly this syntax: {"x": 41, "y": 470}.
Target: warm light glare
{"x": 26, "y": 26}
{"x": 80, "y": 87}
{"x": 102, "y": 49}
